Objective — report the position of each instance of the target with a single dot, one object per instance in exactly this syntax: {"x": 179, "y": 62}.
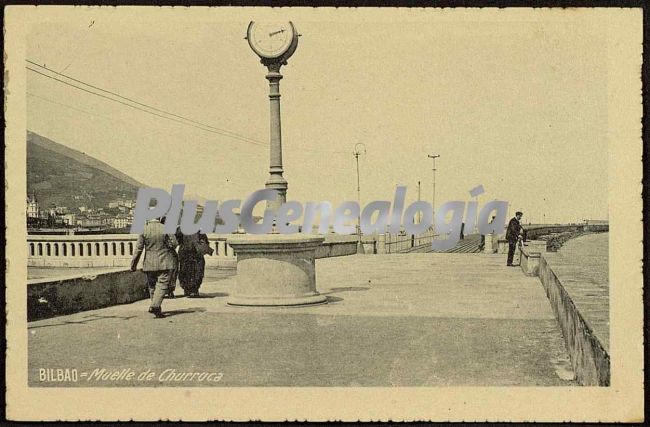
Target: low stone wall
{"x": 589, "y": 358}
{"x": 535, "y": 231}
{"x": 57, "y": 296}
{"x": 597, "y": 228}
{"x": 529, "y": 261}
{"x": 334, "y": 249}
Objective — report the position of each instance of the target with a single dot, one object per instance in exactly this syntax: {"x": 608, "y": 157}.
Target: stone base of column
{"x": 275, "y": 270}
{"x": 277, "y": 302}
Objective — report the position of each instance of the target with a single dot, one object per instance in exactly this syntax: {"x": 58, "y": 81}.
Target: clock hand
{"x": 276, "y": 32}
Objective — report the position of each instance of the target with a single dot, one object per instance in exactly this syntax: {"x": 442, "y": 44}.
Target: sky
{"x": 518, "y": 104}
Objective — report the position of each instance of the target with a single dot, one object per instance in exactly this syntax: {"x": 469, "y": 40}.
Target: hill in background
{"x": 66, "y": 177}
{"x": 62, "y": 176}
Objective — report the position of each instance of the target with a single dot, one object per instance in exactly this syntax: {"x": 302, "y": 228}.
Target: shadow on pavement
{"x": 83, "y": 321}
{"x": 345, "y": 289}
{"x": 212, "y": 295}
{"x": 171, "y": 313}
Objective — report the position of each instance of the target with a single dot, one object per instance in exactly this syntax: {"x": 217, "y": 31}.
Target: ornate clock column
{"x": 276, "y": 180}
{"x": 275, "y": 269}
{"x": 274, "y": 43}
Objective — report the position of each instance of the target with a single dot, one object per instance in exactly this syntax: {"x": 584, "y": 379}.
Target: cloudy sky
{"x": 514, "y": 101}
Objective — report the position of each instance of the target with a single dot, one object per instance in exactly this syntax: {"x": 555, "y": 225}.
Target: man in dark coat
{"x": 512, "y": 236}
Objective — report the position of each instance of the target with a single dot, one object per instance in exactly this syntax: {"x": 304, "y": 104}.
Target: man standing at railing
{"x": 159, "y": 261}
{"x": 513, "y": 234}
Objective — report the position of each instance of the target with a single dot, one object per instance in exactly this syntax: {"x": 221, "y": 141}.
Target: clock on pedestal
{"x": 274, "y": 43}
{"x": 275, "y": 269}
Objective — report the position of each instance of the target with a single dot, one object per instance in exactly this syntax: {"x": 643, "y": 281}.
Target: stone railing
{"x": 116, "y": 250}
{"x": 390, "y": 243}
{"x": 105, "y": 250}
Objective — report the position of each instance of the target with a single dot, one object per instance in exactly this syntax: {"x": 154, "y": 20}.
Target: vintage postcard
{"x": 219, "y": 213}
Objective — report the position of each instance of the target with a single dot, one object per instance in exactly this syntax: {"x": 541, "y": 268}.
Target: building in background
{"x": 32, "y": 207}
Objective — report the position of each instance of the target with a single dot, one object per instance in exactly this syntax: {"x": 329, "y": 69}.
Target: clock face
{"x": 270, "y": 40}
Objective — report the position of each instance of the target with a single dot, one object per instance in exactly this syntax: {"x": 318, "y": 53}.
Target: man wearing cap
{"x": 513, "y": 234}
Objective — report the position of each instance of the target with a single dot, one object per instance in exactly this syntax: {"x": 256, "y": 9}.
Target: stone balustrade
{"x": 116, "y": 250}
{"x": 106, "y": 250}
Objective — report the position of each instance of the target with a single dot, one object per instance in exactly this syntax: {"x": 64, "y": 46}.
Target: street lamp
{"x": 433, "y": 197}
{"x": 359, "y": 149}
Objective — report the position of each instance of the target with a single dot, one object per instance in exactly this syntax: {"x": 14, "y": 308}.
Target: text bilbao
{"x": 376, "y": 217}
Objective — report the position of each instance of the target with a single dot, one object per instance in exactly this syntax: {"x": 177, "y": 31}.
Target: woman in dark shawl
{"x": 191, "y": 263}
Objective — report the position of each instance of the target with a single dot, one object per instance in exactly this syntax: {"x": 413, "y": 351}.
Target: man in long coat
{"x": 513, "y": 234}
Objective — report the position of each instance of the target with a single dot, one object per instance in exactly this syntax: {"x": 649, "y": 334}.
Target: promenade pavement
{"x": 391, "y": 320}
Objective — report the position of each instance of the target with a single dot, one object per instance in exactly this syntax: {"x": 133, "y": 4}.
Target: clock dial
{"x": 270, "y": 40}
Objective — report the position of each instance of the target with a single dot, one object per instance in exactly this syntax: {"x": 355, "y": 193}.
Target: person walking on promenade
{"x": 513, "y": 234}
{"x": 159, "y": 261}
{"x": 192, "y": 249}
{"x": 174, "y": 272}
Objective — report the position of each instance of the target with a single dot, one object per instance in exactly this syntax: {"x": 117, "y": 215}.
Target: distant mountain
{"x": 60, "y": 175}
{"x": 66, "y": 177}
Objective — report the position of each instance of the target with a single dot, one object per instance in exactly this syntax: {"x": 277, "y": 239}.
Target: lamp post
{"x": 433, "y": 196}
{"x": 359, "y": 149}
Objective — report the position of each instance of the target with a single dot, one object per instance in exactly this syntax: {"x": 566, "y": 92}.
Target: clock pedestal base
{"x": 275, "y": 270}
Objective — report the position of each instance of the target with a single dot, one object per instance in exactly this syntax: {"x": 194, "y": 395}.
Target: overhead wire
{"x": 225, "y": 131}
{"x": 243, "y": 139}
{"x": 155, "y": 111}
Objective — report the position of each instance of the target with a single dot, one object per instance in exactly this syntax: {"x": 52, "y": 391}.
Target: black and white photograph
{"x": 284, "y": 210}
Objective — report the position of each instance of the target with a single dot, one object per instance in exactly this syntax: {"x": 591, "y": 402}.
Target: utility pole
{"x": 357, "y": 152}
{"x": 433, "y": 196}
{"x": 419, "y": 212}
{"x": 476, "y": 223}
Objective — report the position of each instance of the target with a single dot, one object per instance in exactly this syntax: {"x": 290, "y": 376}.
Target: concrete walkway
{"x": 391, "y": 320}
